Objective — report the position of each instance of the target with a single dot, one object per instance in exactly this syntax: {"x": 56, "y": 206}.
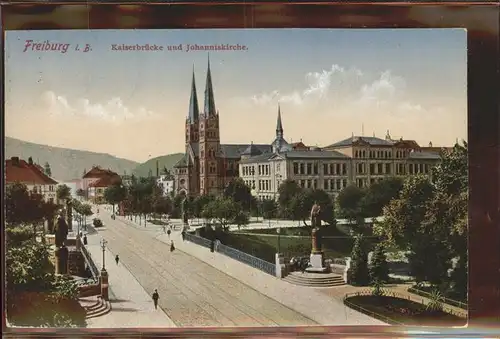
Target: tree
{"x": 80, "y": 193}
{"x": 241, "y": 218}
{"x": 115, "y": 194}
{"x": 47, "y": 169}
{"x": 379, "y": 268}
{"x": 199, "y": 203}
{"x": 379, "y": 195}
{"x": 239, "y": 192}
{"x": 63, "y": 192}
{"x": 269, "y": 208}
{"x": 349, "y": 202}
{"x": 287, "y": 191}
{"x": 359, "y": 263}
{"x": 404, "y": 215}
{"x": 223, "y": 210}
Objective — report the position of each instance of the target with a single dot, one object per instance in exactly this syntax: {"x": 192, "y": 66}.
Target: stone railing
{"x": 248, "y": 259}
{"x": 90, "y": 262}
{"x": 243, "y": 257}
{"x": 198, "y": 240}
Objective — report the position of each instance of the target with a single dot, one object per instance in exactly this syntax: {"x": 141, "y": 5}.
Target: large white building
{"x": 359, "y": 159}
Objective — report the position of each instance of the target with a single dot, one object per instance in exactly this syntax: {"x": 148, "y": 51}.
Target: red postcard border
{"x": 481, "y": 22}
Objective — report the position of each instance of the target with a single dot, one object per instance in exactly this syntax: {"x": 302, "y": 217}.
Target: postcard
{"x": 236, "y": 178}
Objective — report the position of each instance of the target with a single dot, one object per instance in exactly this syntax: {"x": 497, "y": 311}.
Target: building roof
{"x": 317, "y": 155}
{"x": 258, "y": 158}
{"x": 424, "y": 155}
{"x": 373, "y": 141}
{"x": 234, "y": 151}
{"x": 252, "y": 151}
{"x": 18, "y": 170}
{"x": 106, "y": 181}
{"x": 182, "y": 162}
{"x": 98, "y": 172}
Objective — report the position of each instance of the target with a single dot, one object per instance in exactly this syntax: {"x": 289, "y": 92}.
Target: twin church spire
{"x": 209, "y": 104}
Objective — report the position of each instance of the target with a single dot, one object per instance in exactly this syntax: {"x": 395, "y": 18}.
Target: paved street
{"x": 131, "y": 305}
{"x": 192, "y": 293}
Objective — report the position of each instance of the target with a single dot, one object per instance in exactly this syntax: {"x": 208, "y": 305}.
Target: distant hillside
{"x": 66, "y": 164}
{"x": 167, "y": 161}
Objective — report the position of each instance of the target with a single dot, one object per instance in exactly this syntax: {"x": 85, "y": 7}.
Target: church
{"x": 208, "y": 166}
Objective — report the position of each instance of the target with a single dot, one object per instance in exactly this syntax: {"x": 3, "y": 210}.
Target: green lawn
{"x": 264, "y": 243}
{"x": 402, "y": 311}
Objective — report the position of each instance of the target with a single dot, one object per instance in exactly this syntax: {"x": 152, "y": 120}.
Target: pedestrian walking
{"x": 168, "y": 232}
{"x": 156, "y": 296}
{"x": 117, "y": 259}
{"x": 183, "y": 234}
{"x": 85, "y": 239}
{"x": 172, "y": 246}
{"x": 212, "y": 245}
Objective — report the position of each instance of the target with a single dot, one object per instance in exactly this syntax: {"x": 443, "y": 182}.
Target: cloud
{"x": 114, "y": 110}
{"x": 350, "y": 91}
{"x": 318, "y": 85}
{"x": 385, "y": 88}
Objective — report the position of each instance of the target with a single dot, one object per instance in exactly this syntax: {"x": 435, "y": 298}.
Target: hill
{"x": 167, "y": 161}
{"x": 66, "y": 164}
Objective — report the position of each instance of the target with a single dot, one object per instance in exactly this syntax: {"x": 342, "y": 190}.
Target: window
{"x": 325, "y": 185}
{"x": 360, "y": 168}
{"x": 295, "y": 168}
{"x": 278, "y": 167}
{"x": 344, "y": 183}
{"x": 372, "y": 168}
{"x": 315, "y": 184}
{"x": 338, "y": 184}
{"x": 344, "y": 169}
{"x": 315, "y": 168}
{"x": 301, "y": 168}
{"x": 309, "y": 169}
{"x": 360, "y": 183}
{"x": 309, "y": 183}
{"x": 379, "y": 168}
{"x": 388, "y": 168}
{"x": 325, "y": 169}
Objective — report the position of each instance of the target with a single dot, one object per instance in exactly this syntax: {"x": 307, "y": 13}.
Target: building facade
{"x": 31, "y": 175}
{"x": 207, "y": 166}
{"x": 96, "y": 181}
{"x": 167, "y": 183}
{"x": 356, "y": 160}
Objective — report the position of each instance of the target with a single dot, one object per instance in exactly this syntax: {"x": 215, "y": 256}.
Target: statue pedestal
{"x": 61, "y": 260}
{"x": 103, "y": 279}
{"x": 316, "y": 261}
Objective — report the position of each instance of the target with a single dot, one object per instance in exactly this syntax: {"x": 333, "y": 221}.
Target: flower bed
{"x": 399, "y": 311}
{"x": 421, "y": 292}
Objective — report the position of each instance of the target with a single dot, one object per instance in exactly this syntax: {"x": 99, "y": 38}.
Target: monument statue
{"x": 317, "y": 245}
{"x": 61, "y": 231}
{"x": 315, "y": 215}
{"x": 61, "y": 251}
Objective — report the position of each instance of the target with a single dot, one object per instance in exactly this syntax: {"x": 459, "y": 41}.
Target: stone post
{"x": 347, "y": 270}
{"x": 61, "y": 260}
{"x": 103, "y": 280}
{"x": 280, "y": 265}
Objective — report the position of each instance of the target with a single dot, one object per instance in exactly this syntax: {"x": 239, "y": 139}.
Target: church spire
{"x": 209, "y": 93}
{"x": 193, "y": 102}
{"x": 279, "y": 126}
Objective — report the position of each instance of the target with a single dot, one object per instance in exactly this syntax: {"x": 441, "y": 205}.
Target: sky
{"x": 329, "y": 83}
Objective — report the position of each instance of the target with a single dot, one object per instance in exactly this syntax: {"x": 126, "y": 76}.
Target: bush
{"x": 379, "y": 268}
{"x": 97, "y": 222}
{"x": 359, "y": 266}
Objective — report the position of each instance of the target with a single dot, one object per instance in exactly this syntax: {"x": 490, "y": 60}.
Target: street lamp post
{"x": 103, "y": 246}
{"x": 278, "y": 230}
